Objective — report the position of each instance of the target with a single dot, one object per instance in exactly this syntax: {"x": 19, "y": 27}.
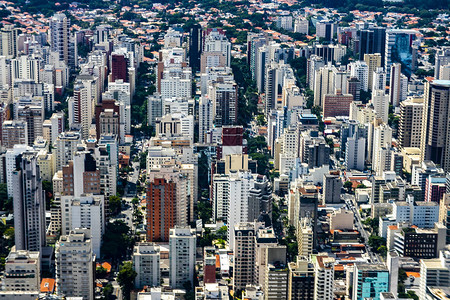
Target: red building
{"x": 161, "y": 209}
{"x": 337, "y": 105}
{"x": 434, "y": 189}
{"x": 119, "y": 67}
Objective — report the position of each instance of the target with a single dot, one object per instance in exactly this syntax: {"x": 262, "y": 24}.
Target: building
{"x": 341, "y": 220}
{"x": 84, "y": 211}
{"x": 305, "y": 237}
{"x": 323, "y": 277}
{"x": 420, "y": 243}
{"x": 8, "y": 41}
{"x": 244, "y": 255}
{"x": 60, "y": 39}
{"x": 205, "y": 121}
{"x": 369, "y": 281}
{"x": 400, "y": 49}
{"x": 398, "y": 86}
{"x": 146, "y": 263}
{"x": 373, "y": 61}
{"x": 380, "y": 102}
{"x": 75, "y": 265}
{"x": 22, "y": 271}
{"x": 371, "y": 40}
{"x": 224, "y": 97}
{"x": 300, "y": 280}
{"x": 411, "y": 119}
{"x": 434, "y": 144}
{"x": 14, "y": 132}
{"x": 276, "y": 273}
{"x": 66, "y": 145}
{"x": 182, "y": 249}
{"x": 29, "y": 204}
{"x": 332, "y": 185}
{"x": 442, "y": 59}
{"x": 434, "y": 273}
{"x": 360, "y": 70}
{"x": 337, "y": 104}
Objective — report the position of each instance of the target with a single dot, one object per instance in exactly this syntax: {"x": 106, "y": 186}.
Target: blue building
{"x": 369, "y": 281}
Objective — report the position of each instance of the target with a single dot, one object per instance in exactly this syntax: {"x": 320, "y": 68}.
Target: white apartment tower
{"x": 75, "y": 265}
{"x": 182, "y": 249}
{"x": 86, "y": 211}
{"x": 146, "y": 263}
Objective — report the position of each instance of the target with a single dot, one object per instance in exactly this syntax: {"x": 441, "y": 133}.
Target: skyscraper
{"x": 29, "y": 203}
{"x": 411, "y": 119}
{"x": 182, "y": 249}
{"x": 373, "y": 61}
{"x": 371, "y": 41}
{"x": 161, "y": 205}
{"x": 398, "y": 86}
{"x": 75, "y": 261}
{"x": 435, "y": 143}
{"x": 60, "y": 39}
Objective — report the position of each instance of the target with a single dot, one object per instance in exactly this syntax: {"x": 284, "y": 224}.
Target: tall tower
{"x": 75, "y": 262}
{"x": 182, "y": 251}
{"x": 161, "y": 205}
{"x": 29, "y": 205}
{"x": 59, "y": 36}
{"x": 435, "y": 130}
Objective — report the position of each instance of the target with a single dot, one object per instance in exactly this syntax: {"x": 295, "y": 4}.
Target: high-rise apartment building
{"x": 22, "y": 271}
{"x": 66, "y": 146}
{"x": 436, "y": 117}
{"x": 224, "y": 97}
{"x": 244, "y": 255}
{"x": 398, "y": 86}
{"x": 442, "y": 59}
{"x": 161, "y": 205}
{"x": 8, "y": 41}
{"x": 182, "y": 252}
{"x": 323, "y": 277}
{"x": 434, "y": 273}
{"x": 146, "y": 263}
{"x": 14, "y": 132}
{"x": 373, "y": 61}
{"x": 411, "y": 119}
{"x": 75, "y": 265}
{"x": 205, "y": 122}
{"x": 85, "y": 211}
{"x": 29, "y": 203}
{"x": 60, "y": 39}
{"x": 360, "y": 70}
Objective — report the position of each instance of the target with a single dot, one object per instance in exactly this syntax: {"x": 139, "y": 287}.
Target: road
{"x": 349, "y": 200}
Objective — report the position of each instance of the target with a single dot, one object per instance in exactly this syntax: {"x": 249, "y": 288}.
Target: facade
{"x": 182, "y": 249}
{"x": 29, "y": 204}
{"x": 244, "y": 258}
{"x": 85, "y": 211}
{"x": 14, "y": 132}
{"x": 323, "y": 277}
{"x": 410, "y": 125}
{"x": 369, "y": 281}
{"x": 434, "y": 273}
{"x": 373, "y": 61}
{"x": 22, "y": 271}
{"x": 75, "y": 265}
{"x": 332, "y": 185}
{"x": 434, "y": 144}
{"x": 161, "y": 205}
{"x": 301, "y": 280}
{"x": 337, "y": 104}
{"x": 146, "y": 263}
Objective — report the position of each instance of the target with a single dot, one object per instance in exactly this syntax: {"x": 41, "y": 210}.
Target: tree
{"x": 100, "y": 272}
{"x": 115, "y": 204}
{"x": 117, "y": 241}
{"x": 375, "y": 242}
{"x": 108, "y": 291}
{"x": 348, "y": 186}
{"x": 260, "y": 120}
{"x": 126, "y": 278}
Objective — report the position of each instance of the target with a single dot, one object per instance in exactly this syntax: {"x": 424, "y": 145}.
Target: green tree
{"x": 108, "y": 291}
{"x": 375, "y": 242}
{"x": 126, "y": 278}
{"x": 117, "y": 241}
{"x": 100, "y": 272}
{"x": 115, "y": 204}
{"x": 348, "y": 186}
